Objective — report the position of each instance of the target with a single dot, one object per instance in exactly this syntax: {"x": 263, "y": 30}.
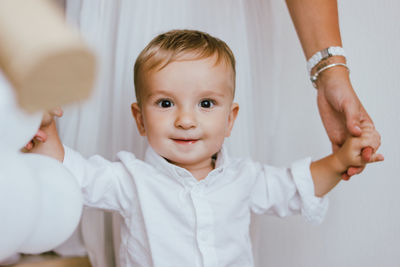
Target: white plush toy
{"x": 40, "y": 202}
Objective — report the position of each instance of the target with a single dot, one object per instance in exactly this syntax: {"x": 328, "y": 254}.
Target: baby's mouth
{"x": 183, "y": 141}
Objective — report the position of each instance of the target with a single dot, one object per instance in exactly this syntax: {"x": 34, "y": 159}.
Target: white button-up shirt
{"x": 171, "y": 219}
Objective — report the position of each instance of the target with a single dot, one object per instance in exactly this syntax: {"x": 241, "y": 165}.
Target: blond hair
{"x": 177, "y": 45}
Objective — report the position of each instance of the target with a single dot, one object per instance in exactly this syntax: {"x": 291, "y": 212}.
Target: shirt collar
{"x": 181, "y": 174}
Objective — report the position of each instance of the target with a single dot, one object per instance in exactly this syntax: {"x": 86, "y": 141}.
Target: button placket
{"x": 205, "y": 225}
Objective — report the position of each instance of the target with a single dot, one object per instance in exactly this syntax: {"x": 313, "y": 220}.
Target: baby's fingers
{"x": 57, "y": 111}
{"x": 27, "y": 147}
{"x": 48, "y": 116}
{"x": 372, "y": 140}
{"x": 376, "y": 158}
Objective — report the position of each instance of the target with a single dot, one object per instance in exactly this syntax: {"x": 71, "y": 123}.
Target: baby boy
{"x": 188, "y": 203}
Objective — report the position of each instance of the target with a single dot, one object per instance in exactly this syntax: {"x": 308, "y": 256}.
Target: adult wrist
{"x": 332, "y": 76}
{"x": 328, "y": 61}
{"x": 324, "y": 60}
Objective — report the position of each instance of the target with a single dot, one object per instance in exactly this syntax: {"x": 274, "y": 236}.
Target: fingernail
{"x": 358, "y": 128}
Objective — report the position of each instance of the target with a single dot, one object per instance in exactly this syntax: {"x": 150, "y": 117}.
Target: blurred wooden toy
{"x": 46, "y": 61}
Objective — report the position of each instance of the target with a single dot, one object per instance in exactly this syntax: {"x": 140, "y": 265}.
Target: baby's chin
{"x": 188, "y": 163}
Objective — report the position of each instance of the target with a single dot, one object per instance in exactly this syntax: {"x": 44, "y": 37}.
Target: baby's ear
{"x": 232, "y": 117}
{"x": 137, "y": 114}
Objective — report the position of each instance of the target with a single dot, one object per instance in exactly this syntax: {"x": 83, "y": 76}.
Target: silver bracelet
{"x": 323, "y": 54}
{"x": 314, "y": 77}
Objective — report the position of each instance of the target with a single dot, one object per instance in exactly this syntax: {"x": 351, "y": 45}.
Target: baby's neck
{"x": 199, "y": 171}
{"x": 200, "y": 174}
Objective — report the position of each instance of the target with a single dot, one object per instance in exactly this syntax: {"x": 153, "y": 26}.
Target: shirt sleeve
{"x": 287, "y": 191}
{"x": 104, "y": 184}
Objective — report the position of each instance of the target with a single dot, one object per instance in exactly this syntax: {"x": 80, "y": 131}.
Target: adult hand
{"x": 341, "y": 111}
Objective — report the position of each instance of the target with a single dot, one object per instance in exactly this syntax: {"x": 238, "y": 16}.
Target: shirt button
{"x": 197, "y": 191}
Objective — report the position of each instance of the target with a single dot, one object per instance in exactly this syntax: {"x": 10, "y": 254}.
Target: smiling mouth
{"x": 185, "y": 141}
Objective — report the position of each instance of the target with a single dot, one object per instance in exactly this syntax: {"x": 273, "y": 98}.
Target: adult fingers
{"x": 335, "y": 147}
{"x": 353, "y": 118}
{"x": 367, "y": 125}
{"x": 364, "y": 115}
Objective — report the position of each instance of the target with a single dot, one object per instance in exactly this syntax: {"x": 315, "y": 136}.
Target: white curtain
{"x": 278, "y": 120}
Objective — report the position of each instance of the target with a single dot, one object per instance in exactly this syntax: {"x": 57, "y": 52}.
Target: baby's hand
{"x": 349, "y": 155}
{"x": 41, "y": 134}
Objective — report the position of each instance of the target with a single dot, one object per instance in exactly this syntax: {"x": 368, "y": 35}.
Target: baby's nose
{"x": 186, "y": 119}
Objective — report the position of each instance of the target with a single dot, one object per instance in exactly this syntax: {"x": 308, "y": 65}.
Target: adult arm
{"x": 341, "y": 111}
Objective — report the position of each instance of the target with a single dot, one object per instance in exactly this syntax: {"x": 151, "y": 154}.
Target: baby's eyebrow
{"x": 213, "y": 93}
{"x": 158, "y": 92}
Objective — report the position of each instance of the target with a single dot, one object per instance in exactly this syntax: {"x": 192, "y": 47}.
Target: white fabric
{"x": 171, "y": 219}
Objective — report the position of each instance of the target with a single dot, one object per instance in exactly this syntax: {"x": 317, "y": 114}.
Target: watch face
{"x": 325, "y": 53}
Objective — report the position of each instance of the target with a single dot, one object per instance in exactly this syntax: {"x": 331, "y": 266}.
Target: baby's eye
{"x": 207, "y": 103}
{"x": 165, "y": 103}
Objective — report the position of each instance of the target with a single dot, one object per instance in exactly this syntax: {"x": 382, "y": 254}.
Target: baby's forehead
{"x": 215, "y": 59}
{"x": 207, "y": 70}
{"x": 219, "y": 73}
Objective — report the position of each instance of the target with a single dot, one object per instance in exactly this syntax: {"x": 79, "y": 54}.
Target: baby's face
{"x": 187, "y": 110}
